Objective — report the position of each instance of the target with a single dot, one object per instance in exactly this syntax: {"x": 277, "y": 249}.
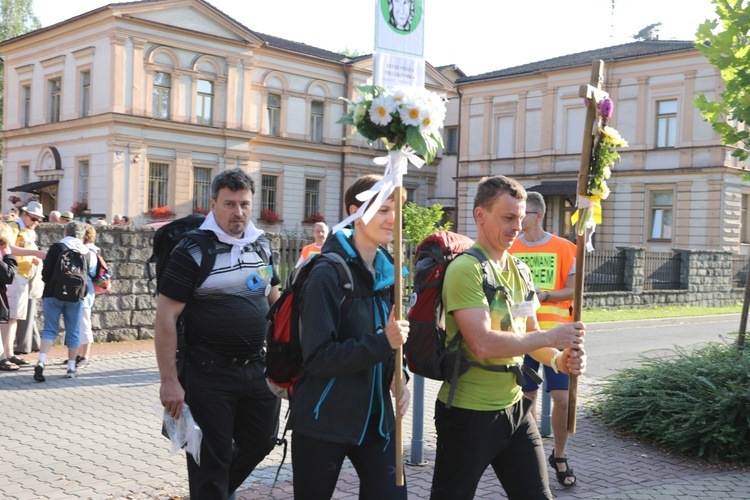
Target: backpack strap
{"x": 206, "y": 241}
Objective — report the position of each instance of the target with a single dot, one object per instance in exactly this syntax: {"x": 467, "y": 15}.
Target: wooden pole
{"x": 398, "y": 314}
{"x": 588, "y": 92}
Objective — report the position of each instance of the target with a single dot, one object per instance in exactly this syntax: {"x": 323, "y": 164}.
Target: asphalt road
{"x": 613, "y": 346}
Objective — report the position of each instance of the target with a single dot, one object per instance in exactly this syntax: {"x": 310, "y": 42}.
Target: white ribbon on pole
{"x": 396, "y": 165}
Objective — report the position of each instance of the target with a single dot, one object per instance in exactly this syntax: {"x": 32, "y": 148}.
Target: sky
{"x": 478, "y": 36}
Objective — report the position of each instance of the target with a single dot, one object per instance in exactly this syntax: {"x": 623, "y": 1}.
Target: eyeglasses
{"x": 35, "y": 219}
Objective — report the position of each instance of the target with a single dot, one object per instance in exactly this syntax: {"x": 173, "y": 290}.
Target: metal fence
{"x": 605, "y": 271}
{"x": 740, "y": 267}
{"x": 662, "y": 271}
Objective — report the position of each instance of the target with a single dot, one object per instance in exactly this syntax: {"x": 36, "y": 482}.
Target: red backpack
{"x": 425, "y": 350}
{"x": 283, "y": 345}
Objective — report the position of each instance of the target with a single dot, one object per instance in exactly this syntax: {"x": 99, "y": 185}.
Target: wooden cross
{"x": 592, "y": 93}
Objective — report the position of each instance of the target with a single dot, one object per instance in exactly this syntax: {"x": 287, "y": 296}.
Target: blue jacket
{"x": 348, "y": 361}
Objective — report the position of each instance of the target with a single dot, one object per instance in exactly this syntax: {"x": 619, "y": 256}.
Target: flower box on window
{"x": 161, "y": 213}
{"x": 79, "y": 208}
{"x": 269, "y": 216}
{"x": 313, "y": 218}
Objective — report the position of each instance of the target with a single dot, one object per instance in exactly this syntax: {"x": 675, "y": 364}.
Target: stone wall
{"x": 128, "y": 310}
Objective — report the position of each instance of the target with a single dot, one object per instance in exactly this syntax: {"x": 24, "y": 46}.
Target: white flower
{"x": 601, "y": 191}
{"x": 429, "y": 125}
{"x": 411, "y": 112}
{"x": 606, "y": 172}
{"x": 381, "y": 109}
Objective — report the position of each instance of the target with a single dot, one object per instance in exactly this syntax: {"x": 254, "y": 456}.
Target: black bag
{"x": 70, "y": 276}
{"x": 167, "y": 237}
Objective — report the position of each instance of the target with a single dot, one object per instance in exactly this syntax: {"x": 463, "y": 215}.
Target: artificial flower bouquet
{"x": 403, "y": 117}
{"x": 604, "y": 157}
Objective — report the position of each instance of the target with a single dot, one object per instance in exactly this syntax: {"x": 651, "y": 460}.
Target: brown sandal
{"x": 7, "y": 366}
{"x": 562, "y": 475}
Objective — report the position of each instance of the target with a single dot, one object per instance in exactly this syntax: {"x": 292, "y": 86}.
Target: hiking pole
{"x": 398, "y": 315}
{"x": 588, "y": 92}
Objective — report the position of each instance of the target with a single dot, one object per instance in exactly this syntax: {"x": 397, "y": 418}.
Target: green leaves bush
{"x": 694, "y": 403}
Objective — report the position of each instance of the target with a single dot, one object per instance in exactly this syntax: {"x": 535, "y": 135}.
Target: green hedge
{"x": 697, "y": 403}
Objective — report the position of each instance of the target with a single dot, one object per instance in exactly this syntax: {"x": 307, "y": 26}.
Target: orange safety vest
{"x": 550, "y": 265}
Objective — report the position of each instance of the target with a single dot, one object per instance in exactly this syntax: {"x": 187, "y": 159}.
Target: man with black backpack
{"x": 66, "y": 270}
{"x": 489, "y": 422}
{"x": 224, "y": 317}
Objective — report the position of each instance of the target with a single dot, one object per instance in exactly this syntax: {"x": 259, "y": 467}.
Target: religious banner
{"x": 399, "y": 43}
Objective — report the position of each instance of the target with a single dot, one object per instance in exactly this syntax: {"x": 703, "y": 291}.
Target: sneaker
{"x": 82, "y": 362}
{"x": 71, "y": 374}
{"x": 39, "y": 372}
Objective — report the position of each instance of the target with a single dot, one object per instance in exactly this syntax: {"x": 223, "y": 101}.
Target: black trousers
{"x": 239, "y": 417}
{"x": 316, "y": 465}
{"x": 469, "y": 441}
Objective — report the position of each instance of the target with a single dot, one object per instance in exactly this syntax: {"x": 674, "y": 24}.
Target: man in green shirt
{"x": 490, "y": 423}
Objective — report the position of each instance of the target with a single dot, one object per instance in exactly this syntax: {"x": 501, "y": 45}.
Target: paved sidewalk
{"x": 98, "y": 437}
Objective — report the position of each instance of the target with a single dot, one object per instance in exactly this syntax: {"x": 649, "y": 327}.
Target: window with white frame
{"x": 451, "y": 140}
{"x": 661, "y": 215}
{"x": 55, "y": 92}
{"x": 312, "y": 197}
{"x": 574, "y": 122}
{"x": 26, "y": 105}
{"x": 158, "y": 177}
{"x": 201, "y": 189}
{"x": 85, "y": 93}
{"x": 268, "y": 192}
{"x": 504, "y": 137}
{"x": 273, "y": 105}
{"x": 316, "y": 121}
{"x": 162, "y": 95}
{"x": 205, "y": 102}
{"x": 83, "y": 181}
{"x": 666, "y": 123}
{"x": 745, "y": 220}
{"x": 24, "y": 174}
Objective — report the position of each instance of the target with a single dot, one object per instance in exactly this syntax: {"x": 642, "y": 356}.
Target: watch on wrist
{"x": 553, "y": 362}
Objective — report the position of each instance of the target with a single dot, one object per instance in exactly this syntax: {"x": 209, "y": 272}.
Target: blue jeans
{"x": 71, "y": 313}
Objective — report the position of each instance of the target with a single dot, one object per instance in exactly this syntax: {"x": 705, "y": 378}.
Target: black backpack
{"x": 167, "y": 237}
{"x": 70, "y": 276}
{"x": 425, "y": 350}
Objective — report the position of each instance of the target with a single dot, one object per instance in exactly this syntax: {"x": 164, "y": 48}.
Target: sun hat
{"x": 34, "y": 208}
{"x": 65, "y": 214}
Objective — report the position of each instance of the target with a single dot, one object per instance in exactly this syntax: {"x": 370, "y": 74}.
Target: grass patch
{"x": 600, "y": 315}
{"x": 694, "y": 403}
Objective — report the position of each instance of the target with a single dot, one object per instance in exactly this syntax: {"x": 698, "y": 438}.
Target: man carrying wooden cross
{"x": 490, "y": 423}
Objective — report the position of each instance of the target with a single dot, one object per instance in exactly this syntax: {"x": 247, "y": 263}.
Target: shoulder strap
{"x": 525, "y": 273}
{"x": 488, "y": 282}
{"x": 206, "y": 242}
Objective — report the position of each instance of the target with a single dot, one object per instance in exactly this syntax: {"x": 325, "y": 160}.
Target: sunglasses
{"x": 35, "y": 219}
